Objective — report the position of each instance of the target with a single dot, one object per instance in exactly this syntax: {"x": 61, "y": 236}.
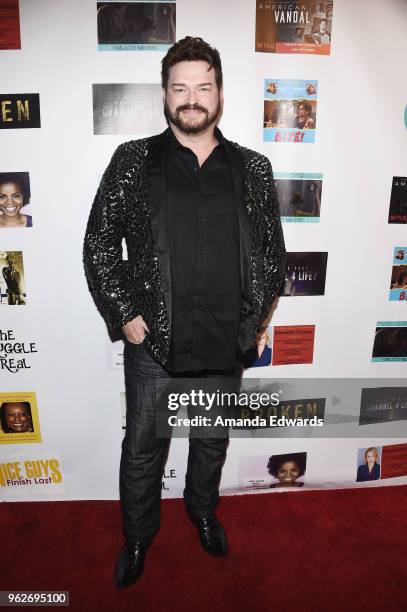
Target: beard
{"x": 196, "y": 125}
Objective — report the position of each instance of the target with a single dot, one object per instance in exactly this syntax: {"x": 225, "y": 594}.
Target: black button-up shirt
{"x": 205, "y": 264}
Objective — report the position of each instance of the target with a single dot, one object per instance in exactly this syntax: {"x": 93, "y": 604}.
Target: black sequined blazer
{"x": 130, "y": 204}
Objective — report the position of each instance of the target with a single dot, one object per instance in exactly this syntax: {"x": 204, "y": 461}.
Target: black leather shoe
{"x": 211, "y": 535}
{"x": 130, "y": 564}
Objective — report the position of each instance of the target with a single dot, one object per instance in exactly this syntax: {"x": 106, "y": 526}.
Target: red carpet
{"x": 303, "y": 551}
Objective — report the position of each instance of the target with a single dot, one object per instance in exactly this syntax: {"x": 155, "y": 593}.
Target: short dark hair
{"x": 21, "y": 179}
{"x": 191, "y": 49}
{"x": 276, "y": 461}
{"x": 3, "y": 409}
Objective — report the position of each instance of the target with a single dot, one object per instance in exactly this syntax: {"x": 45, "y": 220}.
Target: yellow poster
{"x": 19, "y": 422}
{"x": 40, "y": 472}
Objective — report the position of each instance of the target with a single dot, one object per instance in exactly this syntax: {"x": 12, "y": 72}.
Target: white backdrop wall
{"x": 360, "y": 145}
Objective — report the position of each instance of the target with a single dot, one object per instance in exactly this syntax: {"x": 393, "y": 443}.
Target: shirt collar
{"x": 174, "y": 144}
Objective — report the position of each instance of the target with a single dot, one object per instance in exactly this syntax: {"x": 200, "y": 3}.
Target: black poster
{"x": 382, "y": 404}
{"x": 305, "y": 274}
{"x": 398, "y": 200}
{"x": 19, "y": 111}
{"x": 288, "y": 409}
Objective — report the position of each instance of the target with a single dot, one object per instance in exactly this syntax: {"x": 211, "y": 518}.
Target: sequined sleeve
{"x": 275, "y": 256}
{"x": 105, "y": 269}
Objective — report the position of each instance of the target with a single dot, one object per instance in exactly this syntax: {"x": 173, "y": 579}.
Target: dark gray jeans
{"x": 144, "y": 454}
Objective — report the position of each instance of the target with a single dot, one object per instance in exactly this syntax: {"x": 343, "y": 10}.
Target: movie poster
{"x": 19, "y": 423}
{"x": 18, "y": 111}
{"x": 398, "y": 200}
{"x": 260, "y": 353}
{"x": 15, "y": 196}
{"x": 299, "y": 196}
{"x": 9, "y": 25}
{"x": 398, "y": 283}
{"x": 15, "y": 352}
{"x": 280, "y": 414}
{"x": 114, "y": 354}
{"x": 378, "y": 462}
{"x": 293, "y": 344}
{"x": 394, "y": 461}
{"x": 38, "y": 473}
{"x": 390, "y": 342}
{"x": 305, "y": 274}
{"x": 284, "y": 471}
{"x": 294, "y": 27}
{"x": 128, "y": 108}
{"x": 12, "y": 290}
{"x": 368, "y": 463}
{"x": 135, "y": 25}
{"x": 383, "y": 404}
{"x": 290, "y": 110}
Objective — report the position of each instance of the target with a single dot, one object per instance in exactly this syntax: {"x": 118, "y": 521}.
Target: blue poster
{"x": 390, "y": 342}
{"x": 290, "y": 110}
{"x": 398, "y": 284}
{"x": 299, "y": 196}
{"x": 136, "y": 25}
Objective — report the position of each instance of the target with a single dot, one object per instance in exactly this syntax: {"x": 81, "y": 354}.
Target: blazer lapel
{"x": 240, "y": 184}
{"x": 156, "y": 202}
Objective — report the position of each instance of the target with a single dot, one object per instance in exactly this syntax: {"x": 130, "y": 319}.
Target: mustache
{"x": 191, "y": 107}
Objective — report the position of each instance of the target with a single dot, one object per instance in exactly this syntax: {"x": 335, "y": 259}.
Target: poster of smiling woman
{"x": 19, "y": 423}
{"x": 15, "y": 196}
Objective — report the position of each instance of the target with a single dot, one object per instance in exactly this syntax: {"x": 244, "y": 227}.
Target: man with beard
{"x": 206, "y": 259}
